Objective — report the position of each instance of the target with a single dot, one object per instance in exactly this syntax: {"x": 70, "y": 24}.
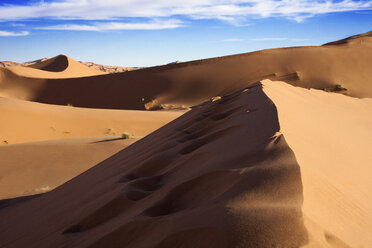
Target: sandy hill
{"x": 60, "y": 66}
{"x": 339, "y": 68}
{"x": 28, "y": 121}
{"x": 266, "y": 166}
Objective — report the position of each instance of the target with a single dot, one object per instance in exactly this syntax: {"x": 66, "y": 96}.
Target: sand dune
{"x": 102, "y": 68}
{"x": 38, "y": 167}
{"x": 219, "y": 176}
{"x": 247, "y": 170}
{"x": 25, "y": 121}
{"x": 331, "y": 67}
{"x": 60, "y": 66}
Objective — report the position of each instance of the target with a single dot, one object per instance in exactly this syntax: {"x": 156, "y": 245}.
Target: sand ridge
{"x": 220, "y": 175}
{"x": 333, "y": 68}
{"x": 334, "y": 156}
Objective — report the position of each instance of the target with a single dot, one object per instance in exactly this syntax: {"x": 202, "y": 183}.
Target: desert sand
{"x": 72, "y": 136}
{"x": 29, "y": 121}
{"x": 275, "y": 152}
{"x": 37, "y": 167}
{"x": 330, "y": 135}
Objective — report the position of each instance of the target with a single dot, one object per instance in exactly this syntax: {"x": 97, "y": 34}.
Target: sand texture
{"x": 38, "y": 167}
{"x": 25, "y": 121}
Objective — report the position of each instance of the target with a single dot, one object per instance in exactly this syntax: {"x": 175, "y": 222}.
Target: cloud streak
{"x": 109, "y": 26}
{"x": 236, "y": 12}
{"x": 9, "y": 34}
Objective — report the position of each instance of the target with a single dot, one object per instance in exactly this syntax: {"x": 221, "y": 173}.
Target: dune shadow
{"x": 11, "y": 202}
{"x": 106, "y": 140}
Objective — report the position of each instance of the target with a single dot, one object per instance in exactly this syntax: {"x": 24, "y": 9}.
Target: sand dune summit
{"x": 221, "y": 175}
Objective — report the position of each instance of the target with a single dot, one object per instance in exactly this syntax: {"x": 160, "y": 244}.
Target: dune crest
{"x": 220, "y": 175}
{"x": 331, "y": 137}
{"x": 355, "y": 39}
{"x": 56, "y": 64}
{"x": 58, "y": 67}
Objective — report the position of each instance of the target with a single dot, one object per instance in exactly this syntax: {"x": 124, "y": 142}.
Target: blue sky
{"x": 148, "y": 32}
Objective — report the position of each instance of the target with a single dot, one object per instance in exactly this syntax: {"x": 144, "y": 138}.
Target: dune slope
{"x": 331, "y": 136}
{"x": 337, "y": 67}
{"x": 25, "y": 121}
{"x": 219, "y": 176}
{"x": 37, "y": 167}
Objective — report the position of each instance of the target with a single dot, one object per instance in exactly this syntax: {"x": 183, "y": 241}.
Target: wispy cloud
{"x": 8, "y": 34}
{"x": 18, "y": 25}
{"x": 232, "y": 40}
{"x": 107, "y": 26}
{"x": 270, "y": 39}
{"x": 233, "y": 11}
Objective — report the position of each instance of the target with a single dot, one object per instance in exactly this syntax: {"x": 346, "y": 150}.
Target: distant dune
{"x": 102, "y": 68}
{"x": 355, "y": 39}
{"x": 333, "y": 68}
{"x": 57, "y": 67}
{"x": 275, "y": 152}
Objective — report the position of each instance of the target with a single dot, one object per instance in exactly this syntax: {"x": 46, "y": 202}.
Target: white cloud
{"x": 270, "y": 39}
{"x": 8, "y": 34}
{"x": 233, "y": 11}
{"x": 232, "y": 40}
{"x": 107, "y": 26}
